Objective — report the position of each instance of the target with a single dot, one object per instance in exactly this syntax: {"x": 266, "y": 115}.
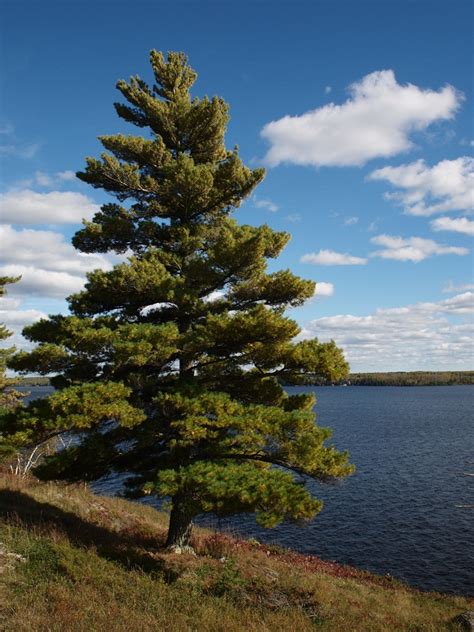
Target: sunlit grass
{"x": 73, "y": 561}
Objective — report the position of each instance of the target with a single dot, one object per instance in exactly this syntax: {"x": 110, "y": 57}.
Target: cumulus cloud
{"x": 42, "y": 179}
{"x": 66, "y": 176}
{"x": 8, "y": 303}
{"x": 425, "y": 336}
{"x": 412, "y": 248}
{"x": 15, "y": 320}
{"x": 376, "y": 121}
{"x": 46, "y": 249}
{"x": 458, "y": 225}
{"x": 47, "y": 180}
{"x": 332, "y": 258}
{"x": 45, "y": 283}
{"x": 323, "y": 289}
{"x": 54, "y": 207}
{"x": 446, "y": 186}
{"x": 463, "y": 287}
{"x": 350, "y": 221}
{"x": 20, "y": 318}
{"x": 49, "y": 266}
{"x": 294, "y": 218}
{"x": 266, "y": 204}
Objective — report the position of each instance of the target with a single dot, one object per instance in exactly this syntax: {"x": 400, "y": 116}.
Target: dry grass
{"x": 72, "y": 561}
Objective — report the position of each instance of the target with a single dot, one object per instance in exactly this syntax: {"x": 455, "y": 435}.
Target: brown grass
{"x": 72, "y": 561}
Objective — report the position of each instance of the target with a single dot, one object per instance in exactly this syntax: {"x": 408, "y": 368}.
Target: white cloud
{"x": 155, "y": 307}
{"x": 376, "y": 121}
{"x": 412, "y": 248}
{"x": 13, "y": 147}
{"x": 327, "y": 90}
{"x": 458, "y": 225}
{"x": 294, "y": 218}
{"x": 49, "y": 266}
{"x": 55, "y": 207}
{"x": 331, "y": 258}
{"x": 350, "y": 221}
{"x": 464, "y": 287}
{"x": 323, "y": 289}
{"x": 43, "y": 179}
{"x": 447, "y": 186}
{"x": 15, "y": 320}
{"x": 7, "y": 303}
{"x": 7, "y": 129}
{"x": 20, "y": 318}
{"x": 216, "y": 295}
{"x": 47, "y": 180}
{"x": 38, "y": 282}
{"x": 419, "y": 336}
{"x": 46, "y": 249}
{"x": 266, "y": 204}
{"x": 20, "y": 150}
{"x": 66, "y": 175}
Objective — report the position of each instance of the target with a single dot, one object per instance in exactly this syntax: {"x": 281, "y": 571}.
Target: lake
{"x": 407, "y": 511}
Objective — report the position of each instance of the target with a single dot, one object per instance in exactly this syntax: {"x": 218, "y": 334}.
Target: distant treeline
{"x": 399, "y": 378}
{"x": 412, "y": 378}
{"x": 33, "y": 380}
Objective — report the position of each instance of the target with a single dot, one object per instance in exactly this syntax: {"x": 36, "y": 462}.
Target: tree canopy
{"x": 10, "y": 398}
{"x": 169, "y": 366}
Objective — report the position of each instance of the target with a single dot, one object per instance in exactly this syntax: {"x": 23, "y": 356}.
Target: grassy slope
{"x": 70, "y": 561}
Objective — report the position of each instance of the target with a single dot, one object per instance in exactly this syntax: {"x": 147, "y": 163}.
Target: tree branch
{"x": 264, "y": 458}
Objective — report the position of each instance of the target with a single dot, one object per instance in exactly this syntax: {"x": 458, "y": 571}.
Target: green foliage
{"x": 33, "y": 380}
{"x": 10, "y": 399}
{"x": 226, "y": 488}
{"x": 229, "y": 582}
{"x": 42, "y": 562}
{"x": 170, "y": 364}
{"x": 412, "y": 378}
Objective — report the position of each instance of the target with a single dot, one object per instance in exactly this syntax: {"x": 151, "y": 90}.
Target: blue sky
{"x": 361, "y": 112}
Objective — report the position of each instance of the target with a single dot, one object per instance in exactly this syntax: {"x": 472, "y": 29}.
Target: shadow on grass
{"x": 124, "y": 548}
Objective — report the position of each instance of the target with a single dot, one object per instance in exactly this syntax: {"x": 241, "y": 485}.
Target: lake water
{"x": 407, "y": 511}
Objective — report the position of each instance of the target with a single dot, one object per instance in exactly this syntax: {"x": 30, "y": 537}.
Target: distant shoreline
{"x": 400, "y": 378}
{"x": 395, "y": 378}
{"x": 412, "y": 378}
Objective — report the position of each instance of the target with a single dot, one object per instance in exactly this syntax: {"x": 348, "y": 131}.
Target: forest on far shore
{"x": 411, "y": 378}
{"x": 390, "y": 378}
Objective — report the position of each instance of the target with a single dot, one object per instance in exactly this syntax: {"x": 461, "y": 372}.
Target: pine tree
{"x": 170, "y": 365}
{"x": 9, "y": 397}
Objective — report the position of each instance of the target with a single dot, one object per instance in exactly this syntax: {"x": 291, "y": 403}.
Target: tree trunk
{"x": 180, "y": 527}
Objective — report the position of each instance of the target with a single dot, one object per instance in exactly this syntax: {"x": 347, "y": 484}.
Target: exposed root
{"x": 181, "y": 550}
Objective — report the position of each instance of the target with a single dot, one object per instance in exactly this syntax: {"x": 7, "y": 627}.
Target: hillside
{"x": 73, "y": 561}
